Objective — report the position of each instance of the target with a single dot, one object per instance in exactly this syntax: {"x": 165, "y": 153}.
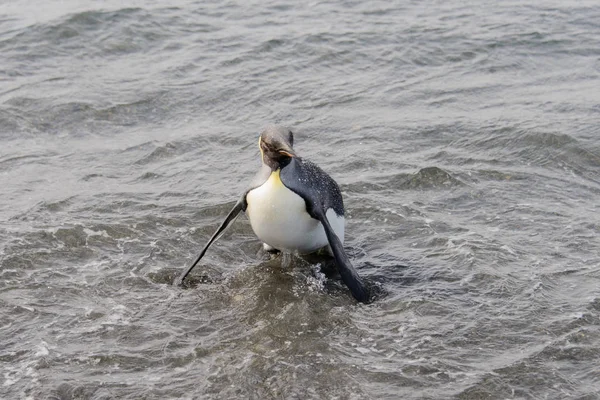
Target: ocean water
{"x": 465, "y": 137}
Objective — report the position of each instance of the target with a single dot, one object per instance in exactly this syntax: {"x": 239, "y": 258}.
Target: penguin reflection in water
{"x": 293, "y": 206}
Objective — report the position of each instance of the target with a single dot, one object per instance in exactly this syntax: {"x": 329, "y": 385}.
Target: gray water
{"x": 464, "y": 135}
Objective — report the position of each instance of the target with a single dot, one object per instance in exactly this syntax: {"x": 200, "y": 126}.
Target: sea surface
{"x": 465, "y": 137}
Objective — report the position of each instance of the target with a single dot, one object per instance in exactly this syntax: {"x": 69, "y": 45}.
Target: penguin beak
{"x": 284, "y": 150}
{"x": 287, "y": 152}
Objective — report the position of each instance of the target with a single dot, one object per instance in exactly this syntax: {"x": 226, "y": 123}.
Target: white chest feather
{"x": 278, "y": 217}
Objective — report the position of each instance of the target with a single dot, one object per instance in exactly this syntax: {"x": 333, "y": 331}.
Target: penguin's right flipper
{"x": 345, "y": 268}
{"x": 239, "y": 206}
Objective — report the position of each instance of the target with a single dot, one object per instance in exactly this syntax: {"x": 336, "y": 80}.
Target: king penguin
{"x": 293, "y": 206}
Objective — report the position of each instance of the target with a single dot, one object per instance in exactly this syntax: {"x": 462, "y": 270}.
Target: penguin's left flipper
{"x": 239, "y": 206}
{"x": 345, "y": 268}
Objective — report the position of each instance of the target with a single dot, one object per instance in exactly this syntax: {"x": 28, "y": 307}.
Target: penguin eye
{"x": 266, "y": 146}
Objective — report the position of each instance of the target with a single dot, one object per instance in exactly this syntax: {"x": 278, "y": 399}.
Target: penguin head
{"x": 275, "y": 145}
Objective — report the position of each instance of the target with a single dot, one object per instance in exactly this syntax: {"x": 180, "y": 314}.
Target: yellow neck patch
{"x": 274, "y": 178}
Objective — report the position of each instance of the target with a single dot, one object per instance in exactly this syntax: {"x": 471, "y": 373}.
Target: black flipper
{"x": 260, "y": 178}
{"x": 239, "y": 206}
{"x": 345, "y": 268}
{"x": 322, "y": 193}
